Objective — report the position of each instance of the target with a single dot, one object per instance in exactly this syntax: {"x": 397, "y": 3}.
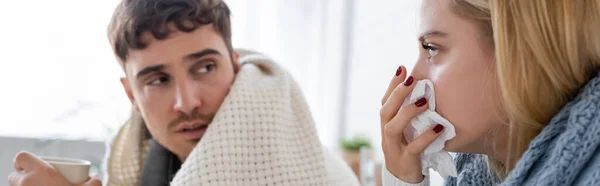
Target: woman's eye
{"x": 159, "y": 81}
{"x": 206, "y": 68}
{"x": 432, "y": 50}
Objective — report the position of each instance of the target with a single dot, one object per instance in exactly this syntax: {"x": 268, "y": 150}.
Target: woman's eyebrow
{"x": 431, "y": 33}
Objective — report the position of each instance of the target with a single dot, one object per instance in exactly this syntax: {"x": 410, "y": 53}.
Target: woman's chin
{"x": 450, "y": 146}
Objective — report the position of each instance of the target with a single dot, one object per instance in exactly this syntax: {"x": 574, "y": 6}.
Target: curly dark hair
{"x": 134, "y": 17}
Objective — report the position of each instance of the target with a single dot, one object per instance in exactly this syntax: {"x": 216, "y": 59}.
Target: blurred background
{"x": 61, "y": 95}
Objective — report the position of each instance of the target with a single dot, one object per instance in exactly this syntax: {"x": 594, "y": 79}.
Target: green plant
{"x": 355, "y": 143}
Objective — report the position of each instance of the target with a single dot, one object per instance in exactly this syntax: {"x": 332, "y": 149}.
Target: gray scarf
{"x": 160, "y": 166}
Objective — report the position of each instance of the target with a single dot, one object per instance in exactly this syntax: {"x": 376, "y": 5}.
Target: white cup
{"x": 75, "y": 170}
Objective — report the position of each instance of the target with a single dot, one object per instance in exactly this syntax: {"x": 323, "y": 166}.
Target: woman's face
{"x": 459, "y": 60}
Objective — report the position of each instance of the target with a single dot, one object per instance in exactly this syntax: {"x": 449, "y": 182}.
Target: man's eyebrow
{"x": 201, "y": 53}
{"x": 191, "y": 56}
{"x": 149, "y": 70}
{"x": 431, "y": 33}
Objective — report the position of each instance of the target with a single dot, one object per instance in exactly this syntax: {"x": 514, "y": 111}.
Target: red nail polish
{"x": 421, "y": 102}
{"x": 409, "y": 81}
{"x": 399, "y": 71}
{"x": 438, "y": 128}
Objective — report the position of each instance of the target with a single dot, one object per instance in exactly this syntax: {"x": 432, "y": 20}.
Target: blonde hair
{"x": 545, "y": 51}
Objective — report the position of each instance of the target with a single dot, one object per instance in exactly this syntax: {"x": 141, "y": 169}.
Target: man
{"x": 184, "y": 80}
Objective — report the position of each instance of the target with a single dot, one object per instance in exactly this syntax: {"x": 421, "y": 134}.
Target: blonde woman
{"x": 520, "y": 81}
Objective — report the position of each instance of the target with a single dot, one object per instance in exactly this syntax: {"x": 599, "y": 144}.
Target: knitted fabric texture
{"x": 564, "y": 153}
{"x": 472, "y": 170}
{"x": 263, "y": 134}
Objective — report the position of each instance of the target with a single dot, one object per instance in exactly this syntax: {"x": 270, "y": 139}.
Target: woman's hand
{"x": 30, "y": 170}
{"x": 403, "y": 158}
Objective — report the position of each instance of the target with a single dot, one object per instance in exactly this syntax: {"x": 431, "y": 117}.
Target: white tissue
{"x": 433, "y": 157}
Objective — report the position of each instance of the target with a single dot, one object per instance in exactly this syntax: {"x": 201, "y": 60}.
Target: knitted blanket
{"x": 565, "y": 152}
{"x": 263, "y": 134}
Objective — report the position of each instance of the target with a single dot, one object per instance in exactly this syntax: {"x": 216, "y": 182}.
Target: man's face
{"x": 178, "y": 84}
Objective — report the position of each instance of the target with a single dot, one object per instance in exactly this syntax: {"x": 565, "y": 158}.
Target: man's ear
{"x": 129, "y": 93}
{"x": 236, "y": 62}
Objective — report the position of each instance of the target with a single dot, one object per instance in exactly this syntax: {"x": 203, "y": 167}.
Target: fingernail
{"x": 399, "y": 71}
{"x": 409, "y": 81}
{"x": 421, "y": 102}
{"x": 438, "y": 128}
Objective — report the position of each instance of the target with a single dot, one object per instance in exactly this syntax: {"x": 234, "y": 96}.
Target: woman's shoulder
{"x": 590, "y": 174}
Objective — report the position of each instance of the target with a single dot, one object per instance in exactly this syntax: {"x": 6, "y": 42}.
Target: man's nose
{"x": 186, "y": 99}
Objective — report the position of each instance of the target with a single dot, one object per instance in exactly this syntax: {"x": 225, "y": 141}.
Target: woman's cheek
{"x": 450, "y": 92}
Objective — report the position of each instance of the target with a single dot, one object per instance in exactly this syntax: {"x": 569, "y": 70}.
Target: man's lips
{"x": 192, "y": 130}
{"x": 193, "y": 133}
{"x": 186, "y": 126}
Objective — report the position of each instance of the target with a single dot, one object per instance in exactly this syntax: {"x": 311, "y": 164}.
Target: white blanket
{"x": 263, "y": 134}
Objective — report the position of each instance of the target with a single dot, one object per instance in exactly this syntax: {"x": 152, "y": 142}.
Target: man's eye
{"x": 159, "y": 80}
{"x": 206, "y": 68}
